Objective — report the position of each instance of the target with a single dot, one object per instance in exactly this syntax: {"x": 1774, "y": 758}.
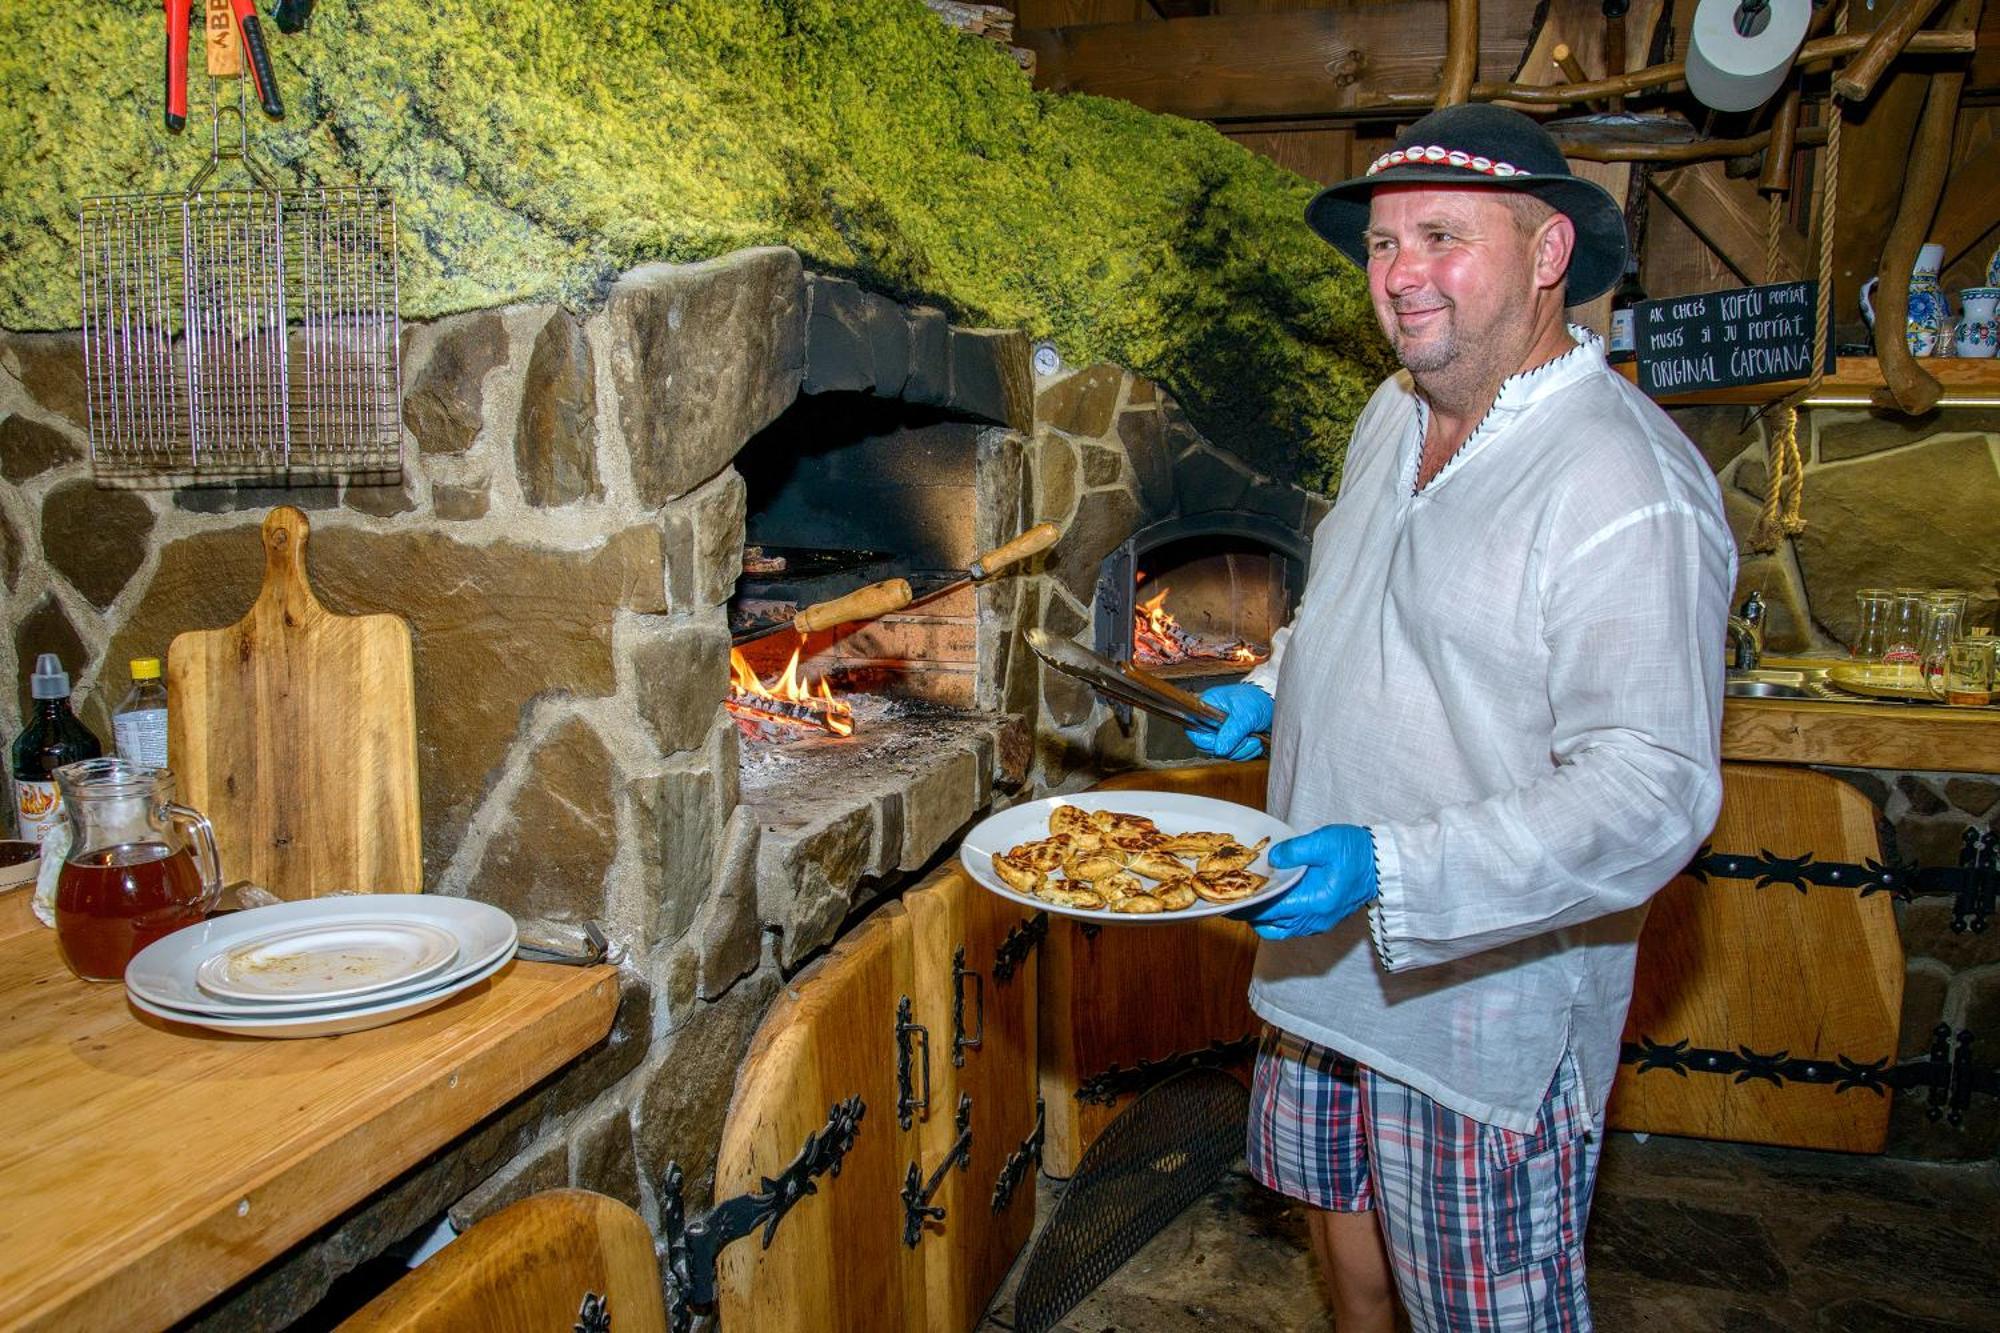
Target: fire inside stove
{"x": 1158, "y": 639}
{"x": 789, "y": 707}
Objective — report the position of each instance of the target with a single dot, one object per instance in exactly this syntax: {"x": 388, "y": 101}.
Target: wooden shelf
{"x": 1855, "y": 382}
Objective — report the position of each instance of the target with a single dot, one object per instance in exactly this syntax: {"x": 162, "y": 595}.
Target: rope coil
{"x": 1784, "y": 492}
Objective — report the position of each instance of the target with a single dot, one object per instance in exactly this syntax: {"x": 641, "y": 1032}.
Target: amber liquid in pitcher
{"x": 110, "y": 904}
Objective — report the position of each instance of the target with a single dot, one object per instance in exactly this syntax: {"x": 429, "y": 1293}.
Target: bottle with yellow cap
{"x": 140, "y": 723}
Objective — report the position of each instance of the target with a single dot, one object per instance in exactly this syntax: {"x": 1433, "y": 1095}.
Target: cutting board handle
{"x": 285, "y": 589}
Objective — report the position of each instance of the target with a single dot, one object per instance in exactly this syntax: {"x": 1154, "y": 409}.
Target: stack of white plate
{"x": 323, "y": 965}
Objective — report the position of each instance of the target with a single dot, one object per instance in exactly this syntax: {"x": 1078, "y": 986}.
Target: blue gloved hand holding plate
{"x": 1339, "y": 880}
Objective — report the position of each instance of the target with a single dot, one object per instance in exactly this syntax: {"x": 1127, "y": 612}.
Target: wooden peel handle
{"x": 1032, "y": 542}
{"x": 877, "y": 599}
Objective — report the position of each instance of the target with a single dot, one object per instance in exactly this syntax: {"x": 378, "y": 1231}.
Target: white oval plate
{"x": 328, "y": 961}
{"x": 357, "y": 1017}
{"x": 163, "y": 973}
{"x": 1173, "y": 812}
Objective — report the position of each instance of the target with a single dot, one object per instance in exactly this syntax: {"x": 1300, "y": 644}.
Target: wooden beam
{"x": 1318, "y": 62}
{"x": 1461, "y": 52}
{"x": 1730, "y": 217}
{"x": 1971, "y": 204}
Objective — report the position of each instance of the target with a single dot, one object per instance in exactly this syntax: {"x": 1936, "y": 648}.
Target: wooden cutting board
{"x": 294, "y": 731}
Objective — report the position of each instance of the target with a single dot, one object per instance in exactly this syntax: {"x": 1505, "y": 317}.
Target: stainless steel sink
{"x": 1762, "y": 689}
{"x": 1773, "y": 683}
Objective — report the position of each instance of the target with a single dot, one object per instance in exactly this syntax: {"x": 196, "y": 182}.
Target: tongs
{"x": 1126, "y": 684}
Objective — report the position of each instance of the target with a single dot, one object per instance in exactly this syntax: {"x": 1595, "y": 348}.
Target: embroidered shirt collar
{"x": 1518, "y": 392}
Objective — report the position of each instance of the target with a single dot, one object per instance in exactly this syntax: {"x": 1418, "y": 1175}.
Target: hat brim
{"x": 1339, "y": 213}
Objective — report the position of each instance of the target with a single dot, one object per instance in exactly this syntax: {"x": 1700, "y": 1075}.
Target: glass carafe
{"x": 1871, "y": 635}
{"x": 1944, "y": 624}
{"x": 1903, "y": 634}
{"x": 139, "y": 866}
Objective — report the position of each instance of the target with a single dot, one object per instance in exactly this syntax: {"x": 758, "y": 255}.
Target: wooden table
{"x": 146, "y": 1167}
{"x": 1932, "y": 739}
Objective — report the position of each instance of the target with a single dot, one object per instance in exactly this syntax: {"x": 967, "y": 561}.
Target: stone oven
{"x": 567, "y": 542}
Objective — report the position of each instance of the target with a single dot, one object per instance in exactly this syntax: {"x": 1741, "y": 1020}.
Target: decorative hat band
{"x": 1451, "y": 157}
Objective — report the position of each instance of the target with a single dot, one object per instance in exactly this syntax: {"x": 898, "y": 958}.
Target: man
{"x": 1498, "y": 711}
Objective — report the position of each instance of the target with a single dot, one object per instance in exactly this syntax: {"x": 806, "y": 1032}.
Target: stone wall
{"x": 1890, "y": 501}
{"x": 1111, "y": 455}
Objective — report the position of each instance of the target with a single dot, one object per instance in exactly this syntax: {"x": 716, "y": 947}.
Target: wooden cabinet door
{"x": 1812, "y": 973}
{"x": 837, "y": 1260}
{"x": 1141, "y": 992}
{"x": 967, "y": 1252}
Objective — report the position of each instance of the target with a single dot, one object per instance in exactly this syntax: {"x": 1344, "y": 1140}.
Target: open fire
{"x": 789, "y": 704}
{"x": 1160, "y": 640}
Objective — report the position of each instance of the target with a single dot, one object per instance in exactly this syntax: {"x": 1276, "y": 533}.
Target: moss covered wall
{"x": 539, "y": 149}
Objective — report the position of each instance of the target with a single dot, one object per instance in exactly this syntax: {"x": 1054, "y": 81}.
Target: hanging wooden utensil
{"x": 294, "y": 731}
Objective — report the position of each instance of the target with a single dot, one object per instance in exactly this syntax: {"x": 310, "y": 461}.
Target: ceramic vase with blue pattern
{"x": 1978, "y": 331}
{"x": 1927, "y": 311}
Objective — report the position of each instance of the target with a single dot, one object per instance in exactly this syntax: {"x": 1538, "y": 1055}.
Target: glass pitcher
{"x": 139, "y": 866}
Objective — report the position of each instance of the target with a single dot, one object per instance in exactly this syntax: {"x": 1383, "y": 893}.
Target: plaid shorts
{"x": 1484, "y": 1225}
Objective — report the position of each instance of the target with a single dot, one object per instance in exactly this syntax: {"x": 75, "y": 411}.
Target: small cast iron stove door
{"x": 1750, "y": 997}
{"x": 840, "y": 1259}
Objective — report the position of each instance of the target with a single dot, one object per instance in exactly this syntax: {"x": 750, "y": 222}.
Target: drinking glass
{"x": 1943, "y": 625}
{"x": 1871, "y": 638}
{"x": 1967, "y": 678}
{"x": 1903, "y": 632}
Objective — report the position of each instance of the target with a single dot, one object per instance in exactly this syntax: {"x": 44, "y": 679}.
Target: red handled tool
{"x": 260, "y": 58}
{"x": 177, "y": 65}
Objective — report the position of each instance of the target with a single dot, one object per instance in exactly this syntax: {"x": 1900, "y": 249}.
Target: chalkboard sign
{"x": 1715, "y": 340}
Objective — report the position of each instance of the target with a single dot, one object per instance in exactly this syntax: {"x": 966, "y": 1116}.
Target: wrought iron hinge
{"x": 917, "y": 1192}
{"x": 906, "y": 1102}
{"x": 1014, "y": 949}
{"x": 594, "y": 1315}
{"x": 1023, "y": 1159}
{"x": 1106, "y": 1088}
{"x": 1946, "y": 1073}
{"x": 959, "y": 1041}
{"x": 1973, "y": 884}
{"x": 691, "y": 1247}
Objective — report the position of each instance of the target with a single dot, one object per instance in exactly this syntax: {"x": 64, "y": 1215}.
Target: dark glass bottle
{"x": 52, "y": 738}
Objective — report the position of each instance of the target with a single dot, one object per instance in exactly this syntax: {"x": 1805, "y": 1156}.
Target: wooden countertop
{"x": 1861, "y": 735}
{"x": 147, "y": 1167}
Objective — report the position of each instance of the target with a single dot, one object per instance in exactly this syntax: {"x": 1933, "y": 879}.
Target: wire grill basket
{"x": 1166, "y": 1150}
{"x": 245, "y": 332}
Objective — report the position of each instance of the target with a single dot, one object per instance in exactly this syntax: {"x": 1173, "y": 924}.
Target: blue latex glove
{"x": 1245, "y": 709}
{"x": 1339, "y": 880}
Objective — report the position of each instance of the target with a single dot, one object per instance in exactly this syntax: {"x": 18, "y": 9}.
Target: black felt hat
{"x": 1476, "y": 144}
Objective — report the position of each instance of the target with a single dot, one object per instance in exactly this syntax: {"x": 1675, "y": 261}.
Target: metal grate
{"x": 242, "y": 332}
{"x": 1166, "y": 1151}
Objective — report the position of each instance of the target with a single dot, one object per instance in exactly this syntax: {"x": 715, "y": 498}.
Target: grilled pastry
{"x": 1093, "y": 866}
{"x": 1195, "y": 843}
{"x": 1018, "y": 875}
{"x": 1156, "y": 865}
{"x": 1121, "y": 885}
{"x": 1176, "y": 894}
{"x": 1063, "y": 895}
{"x": 1135, "y": 840}
{"x": 1139, "y": 904}
{"x": 1070, "y": 819}
{"x": 1230, "y": 856}
{"x": 1110, "y": 821}
{"x": 1227, "y": 886}
{"x": 1047, "y": 855}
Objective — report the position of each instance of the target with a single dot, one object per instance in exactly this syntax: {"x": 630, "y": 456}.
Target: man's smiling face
{"x": 1451, "y": 272}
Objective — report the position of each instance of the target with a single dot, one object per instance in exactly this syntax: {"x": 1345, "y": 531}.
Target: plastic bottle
{"x": 140, "y": 723}
{"x": 52, "y": 738}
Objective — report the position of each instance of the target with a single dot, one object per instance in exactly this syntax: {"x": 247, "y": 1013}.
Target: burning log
{"x": 790, "y": 703}
{"x": 1159, "y": 639}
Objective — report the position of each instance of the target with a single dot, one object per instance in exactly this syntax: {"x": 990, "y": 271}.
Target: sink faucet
{"x": 1746, "y": 634}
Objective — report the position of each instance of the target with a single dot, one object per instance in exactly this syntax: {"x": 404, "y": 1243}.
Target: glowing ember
{"x": 1159, "y": 640}
{"x": 761, "y": 710}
